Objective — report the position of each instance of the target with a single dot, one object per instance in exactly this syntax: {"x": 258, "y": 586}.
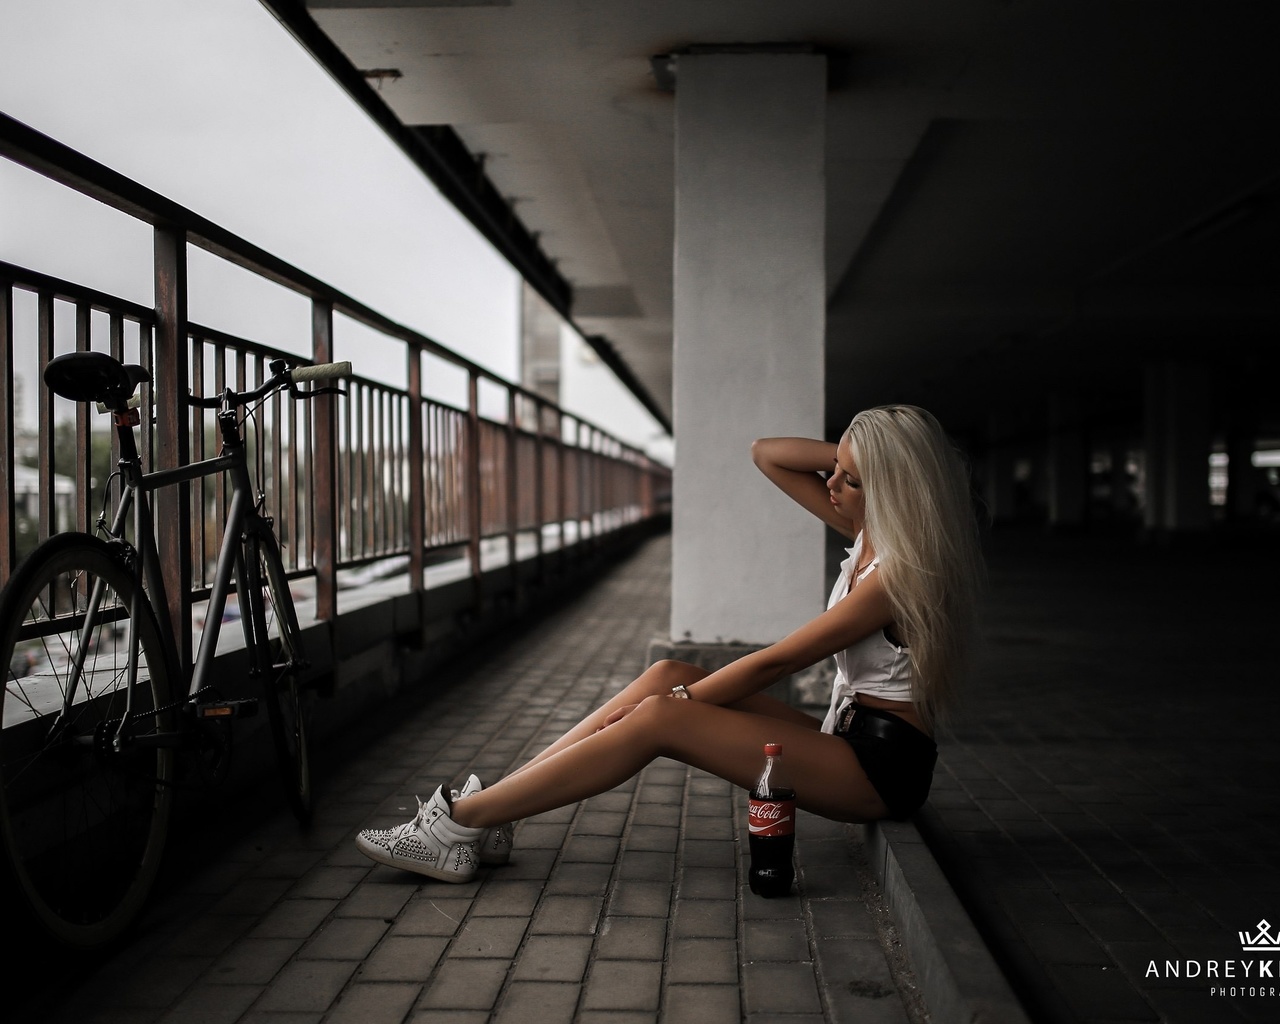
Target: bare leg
{"x": 658, "y": 680}
{"x": 724, "y": 741}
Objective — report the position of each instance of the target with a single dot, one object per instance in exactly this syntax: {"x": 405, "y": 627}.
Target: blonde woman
{"x": 897, "y": 624}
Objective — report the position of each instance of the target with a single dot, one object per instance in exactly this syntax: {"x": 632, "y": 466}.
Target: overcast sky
{"x": 213, "y": 104}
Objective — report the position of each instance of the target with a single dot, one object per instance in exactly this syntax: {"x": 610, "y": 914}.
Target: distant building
{"x": 26, "y": 499}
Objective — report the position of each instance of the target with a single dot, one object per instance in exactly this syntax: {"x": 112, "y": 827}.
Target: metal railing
{"x": 383, "y": 473}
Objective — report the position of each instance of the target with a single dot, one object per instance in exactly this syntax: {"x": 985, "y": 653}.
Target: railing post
{"x": 46, "y": 508}
{"x": 597, "y": 484}
{"x": 116, "y": 342}
{"x": 147, "y": 358}
{"x": 324, "y": 555}
{"x": 84, "y": 433}
{"x": 200, "y": 487}
{"x": 474, "y": 519}
{"x": 289, "y": 509}
{"x": 173, "y": 504}
{"x": 8, "y": 517}
{"x": 417, "y": 474}
{"x": 513, "y": 482}
{"x": 582, "y": 507}
{"x": 587, "y": 480}
{"x": 562, "y": 484}
{"x": 539, "y": 486}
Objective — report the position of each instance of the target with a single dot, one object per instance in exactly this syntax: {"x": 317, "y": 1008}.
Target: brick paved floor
{"x": 629, "y": 907}
{"x": 1111, "y": 794}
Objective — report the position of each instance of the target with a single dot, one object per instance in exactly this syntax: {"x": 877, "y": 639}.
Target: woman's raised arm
{"x": 793, "y": 464}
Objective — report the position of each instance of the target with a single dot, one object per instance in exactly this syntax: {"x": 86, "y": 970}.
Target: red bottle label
{"x": 771, "y": 817}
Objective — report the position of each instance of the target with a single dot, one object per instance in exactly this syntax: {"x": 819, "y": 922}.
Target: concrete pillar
{"x": 749, "y": 315}
{"x": 1066, "y": 464}
{"x": 1177, "y": 427}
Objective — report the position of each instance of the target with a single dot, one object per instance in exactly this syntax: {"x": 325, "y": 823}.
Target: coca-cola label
{"x": 771, "y": 817}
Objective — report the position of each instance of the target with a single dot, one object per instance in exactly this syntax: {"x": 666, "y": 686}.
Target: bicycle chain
{"x": 217, "y": 770}
{"x": 160, "y": 710}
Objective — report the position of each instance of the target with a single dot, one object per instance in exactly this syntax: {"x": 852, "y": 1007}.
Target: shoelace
{"x": 409, "y": 827}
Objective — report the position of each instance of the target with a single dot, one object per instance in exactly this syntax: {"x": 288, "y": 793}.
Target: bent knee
{"x": 668, "y": 673}
{"x": 660, "y": 718}
{"x": 656, "y": 709}
{"x": 665, "y": 668}
{"x": 655, "y": 703}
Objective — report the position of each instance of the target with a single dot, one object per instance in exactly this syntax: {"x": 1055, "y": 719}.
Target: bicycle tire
{"x": 277, "y": 637}
{"x": 84, "y": 819}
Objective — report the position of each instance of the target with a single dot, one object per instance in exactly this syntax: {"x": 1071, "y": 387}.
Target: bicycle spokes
{"x": 85, "y": 783}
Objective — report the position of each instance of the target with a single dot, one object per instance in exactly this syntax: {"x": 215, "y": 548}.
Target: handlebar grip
{"x": 321, "y": 371}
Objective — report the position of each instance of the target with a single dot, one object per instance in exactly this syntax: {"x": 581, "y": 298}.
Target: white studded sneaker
{"x": 433, "y": 844}
{"x": 495, "y": 846}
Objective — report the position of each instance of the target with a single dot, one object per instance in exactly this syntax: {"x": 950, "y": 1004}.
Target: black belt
{"x": 860, "y": 720}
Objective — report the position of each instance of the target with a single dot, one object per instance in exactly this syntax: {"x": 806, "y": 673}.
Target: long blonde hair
{"x": 920, "y": 518}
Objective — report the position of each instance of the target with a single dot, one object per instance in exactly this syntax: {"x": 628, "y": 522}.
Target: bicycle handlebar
{"x": 321, "y": 371}
{"x": 283, "y": 378}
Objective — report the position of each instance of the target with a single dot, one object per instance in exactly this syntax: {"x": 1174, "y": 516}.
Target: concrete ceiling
{"x": 1023, "y": 198}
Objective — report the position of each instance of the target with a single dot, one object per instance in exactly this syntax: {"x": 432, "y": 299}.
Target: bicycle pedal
{"x": 244, "y": 708}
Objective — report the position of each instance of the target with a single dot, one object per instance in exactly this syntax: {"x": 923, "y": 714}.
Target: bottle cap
{"x": 772, "y": 749}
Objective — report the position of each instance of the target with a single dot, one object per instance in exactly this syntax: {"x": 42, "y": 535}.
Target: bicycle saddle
{"x": 94, "y": 377}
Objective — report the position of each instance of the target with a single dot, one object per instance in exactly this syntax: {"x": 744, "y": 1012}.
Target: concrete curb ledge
{"x": 958, "y": 977}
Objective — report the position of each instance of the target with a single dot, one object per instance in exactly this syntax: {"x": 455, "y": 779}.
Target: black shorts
{"x": 897, "y": 757}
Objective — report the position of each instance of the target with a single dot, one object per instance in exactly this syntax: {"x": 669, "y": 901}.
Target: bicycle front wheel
{"x": 279, "y": 657}
{"x": 85, "y": 794}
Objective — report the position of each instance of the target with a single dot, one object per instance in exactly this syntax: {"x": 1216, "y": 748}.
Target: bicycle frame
{"x": 242, "y": 518}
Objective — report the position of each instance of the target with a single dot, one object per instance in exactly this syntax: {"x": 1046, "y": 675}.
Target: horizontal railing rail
{"x": 384, "y": 473}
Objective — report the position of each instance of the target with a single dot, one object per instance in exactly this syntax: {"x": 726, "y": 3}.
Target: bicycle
{"x": 92, "y": 721}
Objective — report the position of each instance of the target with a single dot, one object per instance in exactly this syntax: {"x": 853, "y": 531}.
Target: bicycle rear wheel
{"x": 85, "y": 803}
{"x": 279, "y": 656}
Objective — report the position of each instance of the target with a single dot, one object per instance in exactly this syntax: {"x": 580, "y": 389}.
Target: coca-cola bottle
{"x": 771, "y": 827}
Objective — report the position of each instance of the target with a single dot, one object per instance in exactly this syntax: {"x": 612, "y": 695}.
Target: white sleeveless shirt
{"x": 874, "y": 666}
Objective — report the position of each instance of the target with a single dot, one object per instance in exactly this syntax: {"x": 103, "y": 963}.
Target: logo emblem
{"x": 1262, "y": 942}
{"x": 771, "y": 818}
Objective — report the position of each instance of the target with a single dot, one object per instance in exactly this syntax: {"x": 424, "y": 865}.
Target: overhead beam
{"x": 443, "y": 157}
